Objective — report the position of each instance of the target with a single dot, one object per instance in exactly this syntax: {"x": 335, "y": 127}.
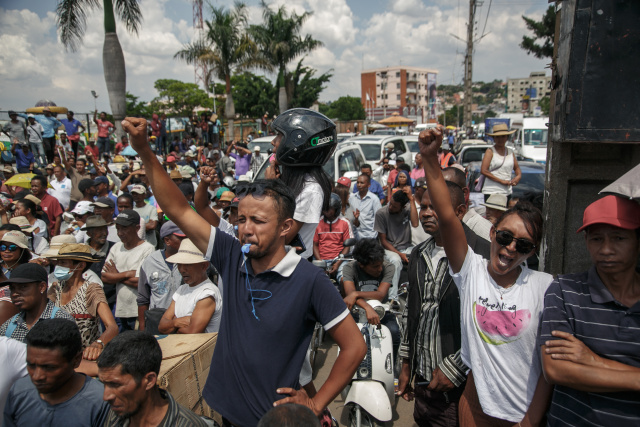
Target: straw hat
{"x": 23, "y": 223}
{"x": 187, "y": 254}
{"x": 56, "y": 244}
{"x": 175, "y": 174}
{"x": 33, "y": 198}
{"x": 76, "y": 252}
{"x": 500, "y": 129}
{"x": 16, "y": 237}
{"x": 227, "y": 196}
{"x": 497, "y": 201}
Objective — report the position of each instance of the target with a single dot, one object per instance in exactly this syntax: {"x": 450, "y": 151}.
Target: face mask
{"x": 62, "y": 273}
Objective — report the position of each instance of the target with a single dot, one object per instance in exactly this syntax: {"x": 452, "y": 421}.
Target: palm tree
{"x": 280, "y": 42}
{"x": 72, "y": 22}
{"x": 224, "y": 48}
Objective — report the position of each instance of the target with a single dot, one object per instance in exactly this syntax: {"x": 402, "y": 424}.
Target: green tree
{"x": 303, "y": 89}
{"x": 541, "y": 45}
{"x": 454, "y": 116}
{"x": 345, "y": 108}
{"x": 135, "y": 108}
{"x": 280, "y": 43}
{"x": 176, "y": 98}
{"x": 71, "y": 20}
{"x": 225, "y": 49}
{"x": 545, "y": 105}
{"x": 254, "y": 95}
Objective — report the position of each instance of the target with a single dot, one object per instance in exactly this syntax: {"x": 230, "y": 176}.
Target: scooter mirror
{"x": 349, "y": 242}
{"x": 320, "y": 263}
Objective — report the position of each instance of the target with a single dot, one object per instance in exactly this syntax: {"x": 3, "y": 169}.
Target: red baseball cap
{"x": 612, "y": 210}
{"x": 170, "y": 159}
{"x": 344, "y": 181}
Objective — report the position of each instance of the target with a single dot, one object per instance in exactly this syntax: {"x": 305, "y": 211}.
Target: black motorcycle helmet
{"x": 335, "y": 202}
{"x": 308, "y": 137}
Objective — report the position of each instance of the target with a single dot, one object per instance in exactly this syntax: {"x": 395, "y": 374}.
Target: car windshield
{"x": 536, "y": 136}
{"x": 414, "y": 147}
{"x": 371, "y": 151}
{"x": 531, "y": 182}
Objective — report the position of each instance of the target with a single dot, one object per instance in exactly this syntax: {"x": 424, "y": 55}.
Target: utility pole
{"x": 468, "y": 66}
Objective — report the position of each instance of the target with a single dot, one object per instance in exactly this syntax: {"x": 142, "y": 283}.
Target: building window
{"x": 398, "y": 74}
{"x": 398, "y": 97}
{"x": 397, "y": 85}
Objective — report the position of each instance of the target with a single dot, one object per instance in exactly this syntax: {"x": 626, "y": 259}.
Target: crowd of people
{"x": 177, "y": 239}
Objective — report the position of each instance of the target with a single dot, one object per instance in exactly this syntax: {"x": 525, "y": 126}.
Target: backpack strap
{"x": 13, "y": 324}
{"x": 53, "y": 312}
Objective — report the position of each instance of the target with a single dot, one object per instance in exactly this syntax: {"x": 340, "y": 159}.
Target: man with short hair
{"x": 91, "y": 147}
{"x": 87, "y": 187}
{"x": 77, "y": 171}
{"x": 430, "y": 349}
{"x": 122, "y": 267}
{"x": 105, "y": 130}
{"x": 159, "y": 278}
{"x": 24, "y": 158}
{"x": 102, "y": 190}
{"x": 289, "y": 414}
{"x": 129, "y": 367}
{"x": 331, "y": 233}
{"x": 374, "y": 185}
{"x": 55, "y": 394}
{"x": 243, "y": 157}
{"x": 393, "y": 224}
{"x": 35, "y": 131}
{"x": 472, "y": 219}
{"x": 72, "y": 126}
{"x": 124, "y": 143}
{"x": 50, "y": 127}
{"x": 147, "y": 212}
{"x": 49, "y": 204}
{"x": 364, "y": 204}
{"x": 15, "y": 129}
{"x": 246, "y": 367}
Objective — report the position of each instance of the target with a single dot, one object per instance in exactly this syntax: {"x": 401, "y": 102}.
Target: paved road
{"x": 327, "y": 353}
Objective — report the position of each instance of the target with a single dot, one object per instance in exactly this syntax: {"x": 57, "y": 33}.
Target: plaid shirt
{"x": 21, "y": 331}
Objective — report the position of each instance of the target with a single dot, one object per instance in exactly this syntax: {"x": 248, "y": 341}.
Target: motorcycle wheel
{"x": 358, "y": 417}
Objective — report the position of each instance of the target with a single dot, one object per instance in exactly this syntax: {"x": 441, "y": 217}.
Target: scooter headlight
{"x": 388, "y": 366}
{"x": 380, "y": 311}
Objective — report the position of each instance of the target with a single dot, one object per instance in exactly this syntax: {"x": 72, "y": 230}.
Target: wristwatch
{"x": 100, "y": 342}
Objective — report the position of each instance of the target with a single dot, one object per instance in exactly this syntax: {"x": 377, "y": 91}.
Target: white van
{"x": 531, "y": 140}
{"x": 423, "y": 126}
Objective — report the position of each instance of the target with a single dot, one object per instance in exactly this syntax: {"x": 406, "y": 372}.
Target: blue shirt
{"x": 368, "y": 206}
{"x": 374, "y": 187}
{"x": 25, "y": 407}
{"x": 255, "y": 357}
{"x": 71, "y": 126}
{"x": 24, "y": 160}
{"x": 581, "y": 305}
{"x": 49, "y": 124}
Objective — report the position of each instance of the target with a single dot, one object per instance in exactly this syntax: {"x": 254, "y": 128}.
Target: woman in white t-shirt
{"x": 497, "y": 164}
{"x": 501, "y": 303}
{"x": 197, "y": 304}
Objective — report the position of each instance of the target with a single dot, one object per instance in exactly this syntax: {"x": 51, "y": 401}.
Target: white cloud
{"x": 34, "y": 65}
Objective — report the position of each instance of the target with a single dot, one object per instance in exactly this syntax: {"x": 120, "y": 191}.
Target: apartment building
{"x": 523, "y": 94}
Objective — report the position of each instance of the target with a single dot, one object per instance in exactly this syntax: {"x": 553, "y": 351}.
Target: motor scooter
{"x": 370, "y": 393}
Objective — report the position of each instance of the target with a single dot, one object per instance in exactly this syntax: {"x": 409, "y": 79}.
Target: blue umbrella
{"x": 128, "y": 151}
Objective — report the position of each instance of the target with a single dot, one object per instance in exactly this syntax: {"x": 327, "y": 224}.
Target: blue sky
{"x": 356, "y": 34}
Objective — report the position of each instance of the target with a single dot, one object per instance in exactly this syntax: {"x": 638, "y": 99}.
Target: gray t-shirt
{"x": 24, "y": 406}
{"x": 158, "y": 281}
{"x": 16, "y": 130}
{"x": 396, "y": 227}
{"x": 363, "y": 281}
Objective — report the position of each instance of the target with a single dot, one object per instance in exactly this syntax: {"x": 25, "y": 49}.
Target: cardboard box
{"x": 185, "y": 367}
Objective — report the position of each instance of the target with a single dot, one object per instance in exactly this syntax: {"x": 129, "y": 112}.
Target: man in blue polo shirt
{"x": 274, "y": 299}
{"x": 590, "y": 328}
{"x": 72, "y": 127}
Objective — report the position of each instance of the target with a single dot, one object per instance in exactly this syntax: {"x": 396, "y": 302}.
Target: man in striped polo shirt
{"x": 590, "y": 329}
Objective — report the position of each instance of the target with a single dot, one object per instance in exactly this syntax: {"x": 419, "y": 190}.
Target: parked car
{"x": 264, "y": 142}
{"x": 531, "y": 183}
{"x": 384, "y": 132}
{"x": 412, "y": 143}
{"x": 345, "y": 161}
{"x": 345, "y": 135}
{"x": 472, "y": 153}
{"x": 459, "y": 145}
{"x": 373, "y": 147}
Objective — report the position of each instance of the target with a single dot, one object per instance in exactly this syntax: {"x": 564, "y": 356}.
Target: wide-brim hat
{"x": 56, "y": 244}
{"x": 76, "y": 252}
{"x": 17, "y": 238}
{"x": 500, "y": 129}
{"x": 187, "y": 254}
{"x": 95, "y": 221}
{"x": 23, "y": 223}
{"x": 497, "y": 201}
{"x": 227, "y": 196}
{"x": 612, "y": 210}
